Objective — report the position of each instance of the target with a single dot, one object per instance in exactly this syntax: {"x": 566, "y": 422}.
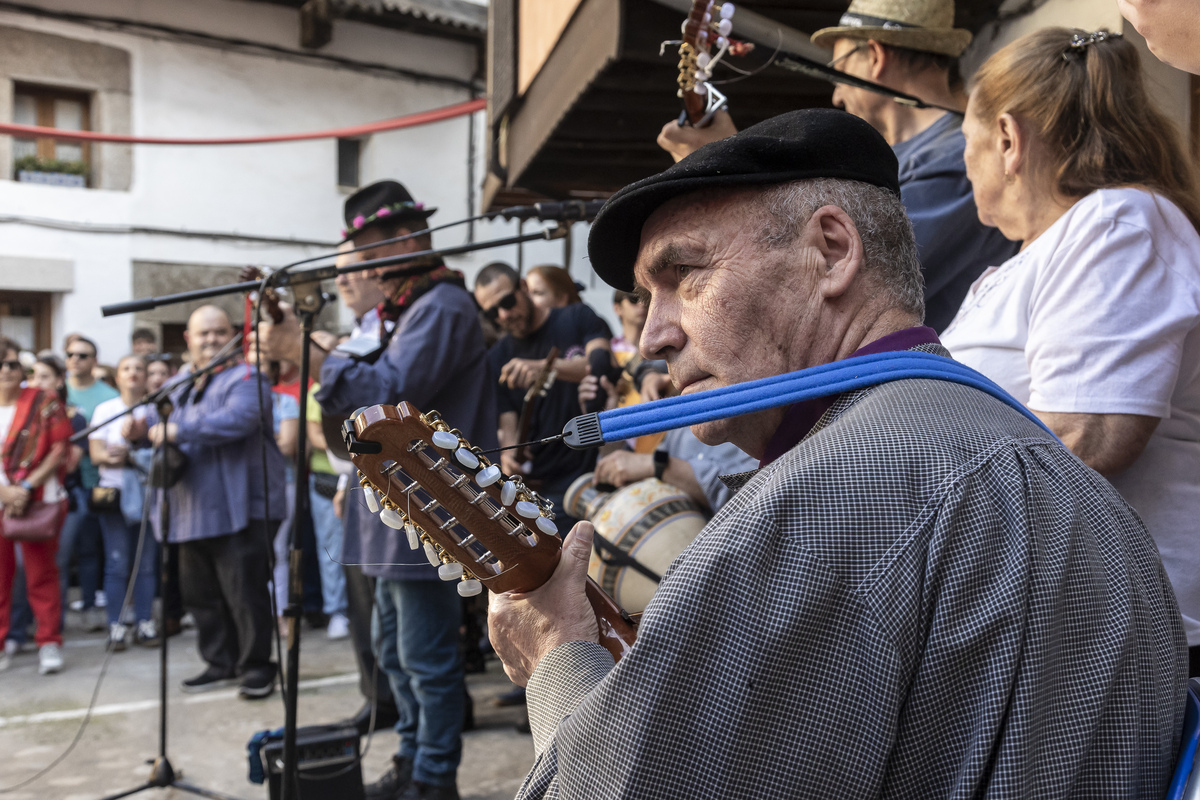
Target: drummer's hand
{"x": 624, "y": 467}
{"x": 524, "y": 626}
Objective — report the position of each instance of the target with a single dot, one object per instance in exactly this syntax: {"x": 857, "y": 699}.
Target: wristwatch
{"x": 661, "y": 459}
{"x": 27, "y": 486}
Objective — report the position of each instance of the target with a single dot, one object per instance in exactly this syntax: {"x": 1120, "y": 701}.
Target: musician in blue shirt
{"x": 434, "y": 358}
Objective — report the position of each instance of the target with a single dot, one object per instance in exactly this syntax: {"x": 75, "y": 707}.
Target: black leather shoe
{"x": 425, "y": 791}
{"x": 386, "y": 717}
{"x": 393, "y": 783}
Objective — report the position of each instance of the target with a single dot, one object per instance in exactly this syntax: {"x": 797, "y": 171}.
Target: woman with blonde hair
{"x": 1093, "y": 324}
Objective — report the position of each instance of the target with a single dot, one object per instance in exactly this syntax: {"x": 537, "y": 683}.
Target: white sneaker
{"x": 6, "y": 656}
{"x": 116, "y": 636}
{"x": 76, "y": 605}
{"x": 339, "y": 626}
{"x": 49, "y": 659}
{"x": 146, "y": 634}
{"x": 101, "y": 599}
{"x": 11, "y": 647}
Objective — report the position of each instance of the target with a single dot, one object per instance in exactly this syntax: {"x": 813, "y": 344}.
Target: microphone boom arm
{"x": 316, "y": 274}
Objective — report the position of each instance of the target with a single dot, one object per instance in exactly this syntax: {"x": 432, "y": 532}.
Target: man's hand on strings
{"x": 525, "y": 626}
{"x": 520, "y": 372}
{"x": 683, "y": 140}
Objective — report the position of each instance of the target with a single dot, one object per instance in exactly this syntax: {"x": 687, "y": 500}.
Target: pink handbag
{"x": 40, "y": 522}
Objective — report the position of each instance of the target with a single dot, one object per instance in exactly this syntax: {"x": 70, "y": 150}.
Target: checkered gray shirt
{"x": 928, "y": 597}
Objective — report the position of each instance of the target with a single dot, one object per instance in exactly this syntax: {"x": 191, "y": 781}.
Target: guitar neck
{"x": 536, "y": 390}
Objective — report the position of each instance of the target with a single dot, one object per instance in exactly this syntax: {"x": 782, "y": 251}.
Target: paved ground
{"x": 207, "y": 733}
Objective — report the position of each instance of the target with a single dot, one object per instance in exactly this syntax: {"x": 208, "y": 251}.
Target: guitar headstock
{"x": 474, "y": 523}
{"x": 708, "y": 24}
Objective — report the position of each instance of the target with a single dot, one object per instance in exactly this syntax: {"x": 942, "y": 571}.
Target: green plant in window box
{"x": 38, "y": 164}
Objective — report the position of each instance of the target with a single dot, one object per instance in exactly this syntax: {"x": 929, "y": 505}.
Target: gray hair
{"x": 889, "y": 246}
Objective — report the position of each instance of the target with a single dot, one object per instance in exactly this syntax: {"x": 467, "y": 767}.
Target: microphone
{"x": 564, "y": 210}
{"x": 600, "y": 363}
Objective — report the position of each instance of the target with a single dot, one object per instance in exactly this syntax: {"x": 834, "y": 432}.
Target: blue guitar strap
{"x": 859, "y": 372}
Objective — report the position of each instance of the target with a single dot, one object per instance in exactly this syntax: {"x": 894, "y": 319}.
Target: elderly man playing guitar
{"x": 920, "y": 593}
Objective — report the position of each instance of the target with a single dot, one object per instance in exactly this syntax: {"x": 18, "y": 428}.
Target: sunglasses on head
{"x": 506, "y": 303}
{"x": 14, "y": 365}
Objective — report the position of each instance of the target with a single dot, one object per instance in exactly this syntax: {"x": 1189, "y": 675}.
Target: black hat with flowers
{"x": 383, "y": 201}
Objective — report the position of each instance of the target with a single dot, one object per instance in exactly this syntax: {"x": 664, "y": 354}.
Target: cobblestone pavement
{"x": 207, "y": 733}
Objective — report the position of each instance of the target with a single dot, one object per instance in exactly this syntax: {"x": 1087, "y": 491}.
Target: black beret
{"x": 812, "y": 143}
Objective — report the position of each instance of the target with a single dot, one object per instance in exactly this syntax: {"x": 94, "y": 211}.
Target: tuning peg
{"x": 702, "y": 60}
{"x": 725, "y": 27}
{"x": 414, "y": 539}
{"x": 546, "y": 526}
{"x": 727, "y": 10}
{"x": 444, "y": 440}
{"x": 469, "y": 588}
{"x": 527, "y": 509}
{"x": 450, "y": 572}
{"x": 487, "y": 476}
{"x": 721, "y": 42}
{"x": 391, "y": 518}
{"x": 431, "y": 554}
{"x": 372, "y": 500}
{"x": 508, "y": 493}
{"x": 467, "y": 458}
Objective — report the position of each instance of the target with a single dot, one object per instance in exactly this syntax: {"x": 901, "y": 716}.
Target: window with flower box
{"x": 51, "y": 161}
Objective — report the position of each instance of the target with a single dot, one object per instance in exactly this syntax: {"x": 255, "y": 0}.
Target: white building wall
{"x": 284, "y": 191}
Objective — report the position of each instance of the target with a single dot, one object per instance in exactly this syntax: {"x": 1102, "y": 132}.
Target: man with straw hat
{"x": 909, "y": 46}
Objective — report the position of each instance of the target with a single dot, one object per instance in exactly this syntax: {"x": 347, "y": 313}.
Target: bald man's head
{"x": 208, "y": 330}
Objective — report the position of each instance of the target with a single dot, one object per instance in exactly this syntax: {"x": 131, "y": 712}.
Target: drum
{"x": 650, "y": 520}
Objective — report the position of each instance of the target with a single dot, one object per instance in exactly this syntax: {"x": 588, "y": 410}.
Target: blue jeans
{"x": 120, "y": 546}
{"x": 80, "y": 532}
{"x": 415, "y": 626}
{"x": 328, "y": 529}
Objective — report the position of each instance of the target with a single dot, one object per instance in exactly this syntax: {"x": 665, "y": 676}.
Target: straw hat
{"x": 926, "y": 25}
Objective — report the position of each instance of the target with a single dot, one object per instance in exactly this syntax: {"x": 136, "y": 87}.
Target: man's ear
{"x": 878, "y": 59}
{"x": 836, "y": 236}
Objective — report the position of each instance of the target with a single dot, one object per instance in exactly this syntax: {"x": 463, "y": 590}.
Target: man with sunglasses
{"x": 81, "y": 531}
{"x": 909, "y": 47}
{"x": 518, "y": 358}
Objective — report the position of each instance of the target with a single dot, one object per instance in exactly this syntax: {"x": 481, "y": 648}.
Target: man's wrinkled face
{"x": 508, "y": 305}
{"x": 722, "y": 308}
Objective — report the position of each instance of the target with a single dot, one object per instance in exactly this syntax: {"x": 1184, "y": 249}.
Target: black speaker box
{"x": 328, "y": 761}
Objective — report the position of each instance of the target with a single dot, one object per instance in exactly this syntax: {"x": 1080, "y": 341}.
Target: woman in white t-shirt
{"x": 109, "y": 451}
{"x": 1094, "y": 323}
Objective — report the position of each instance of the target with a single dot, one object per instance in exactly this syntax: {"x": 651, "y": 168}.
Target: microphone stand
{"x": 308, "y": 302}
{"x": 162, "y": 774}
